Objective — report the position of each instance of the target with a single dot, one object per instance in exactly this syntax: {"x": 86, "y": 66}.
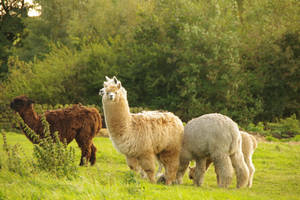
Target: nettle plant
{"x": 13, "y": 158}
{"x": 52, "y": 155}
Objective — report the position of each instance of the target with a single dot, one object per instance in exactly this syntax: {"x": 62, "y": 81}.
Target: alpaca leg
{"x": 85, "y": 155}
{"x": 170, "y": 160}
{"x": 85, "y": 147}
{"x": 223, "y": 168}
{"x": 147, "y": 162}
{"x": 241, "y": 169}
{"x": 93, "y": 154}
{"x": 134, "y": 165}
{"x": 184, "y": 161}
{"x": 251, "y": 170}
{"x": 208, "y": 163}
{"x": 200, "y": 171}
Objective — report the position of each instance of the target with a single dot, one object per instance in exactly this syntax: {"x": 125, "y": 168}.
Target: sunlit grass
{"x": 277, "y": 177}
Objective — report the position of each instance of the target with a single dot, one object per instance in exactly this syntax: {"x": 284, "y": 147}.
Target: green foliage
{"x": 271, "y": 139}
{"x": 270, "y": 55}
{"x": 13, "y": 158}
{"x": 296, "y": 138}
{"x": 54, "y": 156}
{"x": 259, "y": 128}
{"x": 12, "y": 13}
{"x": 238, "y": 58}
{"x": 285, "y": 128}
{"x": 51, "y": 155}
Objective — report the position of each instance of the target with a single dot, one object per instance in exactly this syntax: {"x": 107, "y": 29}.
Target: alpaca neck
{"x": 32, "y": 120}
{"x": 117, "y": 117}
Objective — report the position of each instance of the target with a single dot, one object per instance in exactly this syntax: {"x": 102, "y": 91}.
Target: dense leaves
{"x": 239, "y": 58}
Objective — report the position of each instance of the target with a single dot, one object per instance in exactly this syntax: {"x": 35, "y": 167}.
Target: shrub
{"x": 52, "y": 155}
{"x": 13, "y": 158}
{"x": 259, "y": 128}
{"x": 272, "y": 139}
{"x": 296, "y": 138}
{"x": 285, "y": 128}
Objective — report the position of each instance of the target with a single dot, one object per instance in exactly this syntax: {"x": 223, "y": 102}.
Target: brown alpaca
{"x": 77, "y": 122}
{"x": 142, "y": 137}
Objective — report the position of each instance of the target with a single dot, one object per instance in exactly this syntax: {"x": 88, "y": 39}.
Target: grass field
{"x": 277, "y": 177}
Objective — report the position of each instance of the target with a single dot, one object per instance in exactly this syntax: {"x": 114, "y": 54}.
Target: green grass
{"x": 277, "y": 177}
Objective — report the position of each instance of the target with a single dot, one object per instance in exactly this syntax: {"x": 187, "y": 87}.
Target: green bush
{"x": 271, "y": 139}
{"x": 259, "y": 128}
{"x": 285, "y": 128}
{"x": 14, "y": 158}
{"x": 296, "y": 138}
{"x": 52, "y": 155}
{"x": 188, "y": 57}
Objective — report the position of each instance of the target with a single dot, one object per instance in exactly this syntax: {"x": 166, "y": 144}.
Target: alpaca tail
{"x": 98, "y": 122}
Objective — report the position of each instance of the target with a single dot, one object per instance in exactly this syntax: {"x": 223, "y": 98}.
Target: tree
{"x": 12, "y": 13}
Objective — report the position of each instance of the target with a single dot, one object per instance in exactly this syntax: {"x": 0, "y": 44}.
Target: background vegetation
{"x": 239, "y": 58}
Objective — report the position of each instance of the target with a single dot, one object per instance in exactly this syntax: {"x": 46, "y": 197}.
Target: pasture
{"x": 277, "y": 176}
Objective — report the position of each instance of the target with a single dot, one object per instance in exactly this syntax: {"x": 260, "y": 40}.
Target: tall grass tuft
{"x": 13, "y": 158}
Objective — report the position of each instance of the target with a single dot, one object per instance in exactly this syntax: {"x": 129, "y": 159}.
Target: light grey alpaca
{"x": 216, "y": 137}
{"x": 249, "y": 144}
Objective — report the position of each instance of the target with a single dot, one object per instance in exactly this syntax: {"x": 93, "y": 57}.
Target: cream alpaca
{"x": 142, "y": 137}
{"x": 217, "y": 137}
{"x": 249, "y": 144}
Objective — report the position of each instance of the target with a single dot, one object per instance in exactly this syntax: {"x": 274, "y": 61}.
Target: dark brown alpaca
{"x": 77, "y": 122}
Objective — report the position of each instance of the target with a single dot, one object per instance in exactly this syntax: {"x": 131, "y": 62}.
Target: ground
{"x": 277, "y": 176}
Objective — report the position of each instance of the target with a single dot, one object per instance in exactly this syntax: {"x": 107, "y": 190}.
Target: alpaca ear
{"x": 190, "y": 167}
{"x": 101, "y": 92}
{"x": 119, "y": 85}
{"x": 115, "y": 80}
{"x": 106, "y": 77}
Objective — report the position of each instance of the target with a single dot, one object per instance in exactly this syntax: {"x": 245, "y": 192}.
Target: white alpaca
{"x": 142, "y": 137}
{"x": 215, "y": 137}
{"x": 249, "y": 144}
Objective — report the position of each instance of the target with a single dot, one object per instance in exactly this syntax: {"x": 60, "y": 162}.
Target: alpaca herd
{"x": 152, "y": 136}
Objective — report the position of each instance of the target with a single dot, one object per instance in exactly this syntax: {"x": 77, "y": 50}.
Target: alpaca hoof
{"x": 161, "y": 179}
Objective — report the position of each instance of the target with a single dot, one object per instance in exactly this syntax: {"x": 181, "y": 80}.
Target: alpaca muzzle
{"x": 111, "y": 96}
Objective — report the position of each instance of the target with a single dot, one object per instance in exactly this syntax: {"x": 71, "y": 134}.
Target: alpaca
{"x": 77, "y": 122}
{"x": 217, "y": 137}
{"x": 144, "y": 136}
{"x": 249, "y": 144}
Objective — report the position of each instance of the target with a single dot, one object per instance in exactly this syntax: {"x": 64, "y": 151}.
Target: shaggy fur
{"x": 249, "y": 144}
{"x": 217, "y": 137}
{"x": 142, "y": 137}
{"x": 77, "y": 122}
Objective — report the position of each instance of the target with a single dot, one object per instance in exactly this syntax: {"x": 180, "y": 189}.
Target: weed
{"x": 14, "y": 158}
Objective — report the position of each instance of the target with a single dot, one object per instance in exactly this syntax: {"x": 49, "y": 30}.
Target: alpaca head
{"x": 112, "y": 91}
{"x": 21, "y": 103}
{"x": 192, "y": 172}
